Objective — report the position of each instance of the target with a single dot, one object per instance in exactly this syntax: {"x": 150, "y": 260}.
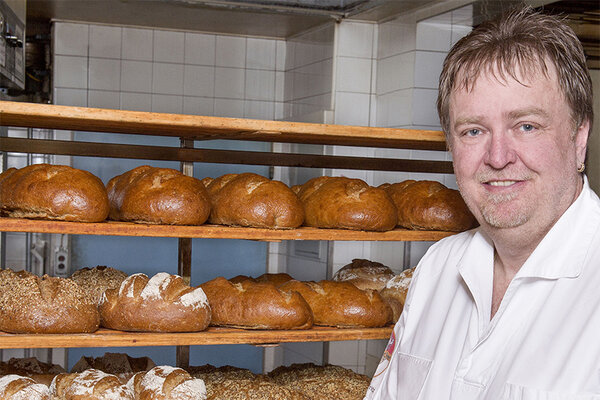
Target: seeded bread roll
{"x": 344, "y": 203}
{"x": 53, "y": 192}
{"x": 90, "y": 384}
{"x": 31, "y": 367}
{"x": 395, "y": 291}
{"x": 323, "y": 382}
{"x": 365, "y": 274}
{"x": 342, "y": 304}
{"x": 119, "y": 364}
{"x": 161, "y": 304}
{"x": 15, "y": 387}
{"x": 166, "y": 383}
{"x": 30, "y": 304}
{"x": 255, "y": 305}
{"x": 98, "y": 279}
{"x": 429, "y": 205}
{"x": 252, "y": 200}
{"x": 158, "y": 196}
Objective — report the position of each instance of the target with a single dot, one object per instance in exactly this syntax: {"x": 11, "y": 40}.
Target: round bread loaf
{"x": 344, "y": 203}
{"x": 276, "y": 279}
{"x": 254, "y": 305}
{"x": 395, "y": 291}
{"x": 166, "y": 383}
{"x": 31, "y": 367}
{"x": 96, "y": 280}
{"x": 252, "y": 200}
{"x": 323, "y": 382}
{"x": 364, "y": 274}
{"x": 163, "y": 303}
{"x": 342, "y": 304}
{"x": 90, "y": 384}
{"x": 158, "y": 196}
{"x": 429, "y": 205}
{"x": 30, "y": 304}
{"x": 15, "y": 387}
{"x": 53, "y": 192}
{"x": 119, "y": 364}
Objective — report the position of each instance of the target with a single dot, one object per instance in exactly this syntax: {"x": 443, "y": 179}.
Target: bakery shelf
{"x": 212, "y": 336}
{"x": 49, "y": 116}
{"x": 212, "y": 231}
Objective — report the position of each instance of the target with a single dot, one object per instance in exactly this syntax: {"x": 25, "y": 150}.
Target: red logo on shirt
{"x": 389, "y": 350}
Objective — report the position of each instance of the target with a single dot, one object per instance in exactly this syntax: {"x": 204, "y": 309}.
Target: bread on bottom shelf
{"x": 163, "y": 303}
{"x": 364, "y": 274}
{"x": 90, "y": 384}
{"x": 119, "y": 364}
{"x": 342, "y": 304}
{"x": 166, "y": 383}
{"x": 31, "y": 367}
{"x": 15, "y": 387}
{"x": 30, "y": 304}
{"x": 253, "y": 305}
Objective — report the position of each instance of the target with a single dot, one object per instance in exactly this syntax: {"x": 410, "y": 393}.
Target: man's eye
{"x": 472, "y": 132}
{"x": 527, "y": 128}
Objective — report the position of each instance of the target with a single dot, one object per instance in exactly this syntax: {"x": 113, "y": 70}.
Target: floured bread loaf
{"x": 31, "y": 367}
{"x": 252, "y": 200}
{"x": 96, "y": 280}
{"x": 15, "y": 387}
{"x": 342, "y": 304}
{"x": 364, "y": 274}
{"x": 276, "y": 279}
{"x": 30, "y": 304}
{"x": 163, "y": 303}
{"x": 166, "y": 383}
{"x": 119, "y": 364}
{"x": 158, "y": 196}
{"x": 395, "y": 291}
{"x": 339, "y": 202}
{"x": 254, "y": 305}
{"x": 429, "y": 205}
{"x": 329, "y": 382}
{"x": 90, "y": 384}
{"x": 53, "y": 192}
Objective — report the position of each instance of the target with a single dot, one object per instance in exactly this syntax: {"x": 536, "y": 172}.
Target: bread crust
{"x": 254, "y": 305}
{"x": 166, "y": 383}
{"x": 342, "y": 304}
{"x": 57, "y": 192}
{"x": 345, "y": 203}
{"x": 15, "y": 387}
{"x": 254, "y": 201}
{"x": 395, "y": 291}
{"x": 153, "y": 195}
{"x": 364, "y": 274}
{"x": 98, "y": 279}
{"x": 163, "y": 303}
{"x": 90, "y": 384}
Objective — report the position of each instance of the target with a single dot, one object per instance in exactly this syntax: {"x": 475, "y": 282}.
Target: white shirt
{"x": 544, "y": 341}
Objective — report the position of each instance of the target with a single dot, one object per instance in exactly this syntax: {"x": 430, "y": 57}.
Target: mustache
{"x": 487, "y": 176}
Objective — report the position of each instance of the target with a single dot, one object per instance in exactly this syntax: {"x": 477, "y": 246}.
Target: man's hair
{"x": 521, "y": 41}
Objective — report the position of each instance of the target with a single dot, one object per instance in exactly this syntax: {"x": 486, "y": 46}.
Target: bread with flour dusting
{"x": 163, "y": 303}
{"x": 90, "y": 384}
{"x": 395, "y": 291}
{"x": 166, "y": 383}
{"x": 365, "y": 274}
{"x": 15, "y": 387}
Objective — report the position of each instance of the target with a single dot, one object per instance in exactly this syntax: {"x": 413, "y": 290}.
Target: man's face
{"x": 515, "y": 156}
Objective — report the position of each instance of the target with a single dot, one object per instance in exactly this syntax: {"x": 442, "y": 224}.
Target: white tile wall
{"x": 229, "y": 82}
{"x": 199, "y": 80}
{"x": 168, "y": 46}
{"x": 352, "y": 108}
{"x": 105, "y": 41}
{"x": 136, "y": 76}
{"x": 200, "y": 48}
{"x": 353, "y": 74}
{"x": 71, "y": 39}
{"x": 356, "y": 39}
{"x": 137, "y": 44}
{"x": 261, "y": 53}
{"x": 231, "y": 51}
{"x": 167, "y": 78}
{"x": 104, "y": 73}
{"x": 73, "y": 72}
{"x": 433, "y": 36}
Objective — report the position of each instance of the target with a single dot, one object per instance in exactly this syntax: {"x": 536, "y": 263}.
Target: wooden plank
{"x": 212, "y": 336}
{"x": 211, "y": 231}
{"x": 113, "y": 150}
{"x": 201, "y": 127}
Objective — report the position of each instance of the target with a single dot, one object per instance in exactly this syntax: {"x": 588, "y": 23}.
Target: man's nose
{"x": 500, "y": 150}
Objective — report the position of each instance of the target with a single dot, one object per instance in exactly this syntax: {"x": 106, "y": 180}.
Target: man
{"x": 510, "y": 310}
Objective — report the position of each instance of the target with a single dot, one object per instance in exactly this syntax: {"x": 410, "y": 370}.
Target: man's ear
{"x": 581, "y": 139}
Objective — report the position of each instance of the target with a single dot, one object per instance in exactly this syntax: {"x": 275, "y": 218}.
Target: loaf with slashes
{"x": 16, "y": 387}
{"x": 166, "y": 383}
{"x": 90, "y": 384}
{"x": 163, "y": 303}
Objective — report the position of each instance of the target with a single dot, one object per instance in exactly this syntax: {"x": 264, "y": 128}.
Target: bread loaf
{"x": 395, "y": 291}
{"x": 30, "y": 304}
{"x": 161, "y": 304}
{"x": 342, "y": 304}
{"x": 31, "y": 367}
{"x": 96, "y": 280}
{"x": 90, "y": 384}
{"x": 339, "y": 202}
{"x": 15, "y": 387}
{"x": 158, "y": 196}
{"x": 255, "y": 306}
{"x": 276, "y": 279}
{"x": 118, "y": 364}
{"x": 322, "y": 382}
{"x": 53, "y": 192}
{"x": 429, "y": 205}
{"x": 365, "y": 274}
{"x": 252, "y": 200}
{"x": 166, "y": 383}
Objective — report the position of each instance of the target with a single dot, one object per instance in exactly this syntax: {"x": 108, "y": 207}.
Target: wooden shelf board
{"x": 211, "y": 231}
{"x": 202, "y": 128}
{"x": 212, "y": 336}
